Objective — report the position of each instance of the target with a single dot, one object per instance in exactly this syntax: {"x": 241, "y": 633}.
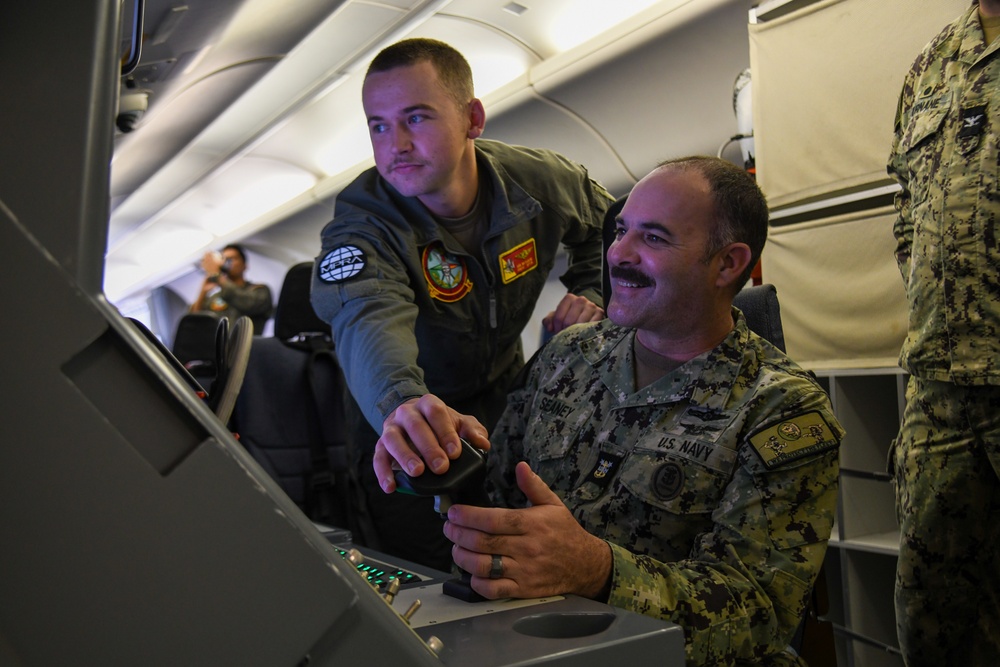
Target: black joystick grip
{"x": 462, "y": 482}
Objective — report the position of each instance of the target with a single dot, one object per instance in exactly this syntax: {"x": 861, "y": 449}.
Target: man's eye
{"x": 378, "y": 128}
{"x": 417, "y": 118}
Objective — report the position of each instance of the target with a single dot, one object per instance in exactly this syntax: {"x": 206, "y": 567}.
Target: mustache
{"x": 630, "y": 275}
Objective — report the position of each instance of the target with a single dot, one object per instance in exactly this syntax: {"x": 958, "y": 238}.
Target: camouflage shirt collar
{"x": 970, "y": 45}
{"x": 706, "y": 380}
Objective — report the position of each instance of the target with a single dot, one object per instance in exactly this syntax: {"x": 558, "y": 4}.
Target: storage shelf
{"x": 861, "y": 560}
{"x": 881, "y": 543}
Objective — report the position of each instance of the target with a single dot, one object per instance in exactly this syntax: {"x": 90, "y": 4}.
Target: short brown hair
{"x": 452, "y": 67}
{"x": 740, "y": 206}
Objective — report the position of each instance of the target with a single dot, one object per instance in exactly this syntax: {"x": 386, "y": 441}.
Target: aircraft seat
{"x": 196, "y": 345}
{"x": 759, "y": 304}
{"x": 291, "y": 413}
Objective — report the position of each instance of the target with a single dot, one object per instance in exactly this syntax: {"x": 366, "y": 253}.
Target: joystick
{"x": 463, "y": 484}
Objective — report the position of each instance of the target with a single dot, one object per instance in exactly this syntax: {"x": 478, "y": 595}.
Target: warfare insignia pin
{"x": 605, "y": 469}
{"x": 447, "y": 276}
{"x": 341, "y": 263}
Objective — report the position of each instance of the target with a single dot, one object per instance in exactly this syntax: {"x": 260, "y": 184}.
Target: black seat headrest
{"x": 294, "y": 315}
{"x": 195, "y": 339}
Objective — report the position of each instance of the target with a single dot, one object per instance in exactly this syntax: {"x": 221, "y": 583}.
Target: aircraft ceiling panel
{"x": 541, "y": 124}
{"x": 295, "y": 124}
{"x": 669, "y": 97}
{"x": 172, "y": 124}
{"x": 209, "y": 51}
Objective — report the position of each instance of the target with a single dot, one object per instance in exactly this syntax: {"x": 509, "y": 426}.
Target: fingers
{"x": 210, "y": 263}
{"x": 534, "y": 488}
{"x": 480, "y": 566}
{"x": 382, "y": 463}
{"x": 426, "y": 424}
{"x": 423, "y": 433}
{"x": 572, "y": 309}
{"x": 543, "y": 548}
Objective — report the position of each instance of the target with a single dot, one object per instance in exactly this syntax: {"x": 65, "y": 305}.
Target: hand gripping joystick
{"x": 462, "y": 484}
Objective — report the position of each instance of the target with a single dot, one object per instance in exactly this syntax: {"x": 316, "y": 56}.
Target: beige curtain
{"x": 826, "y": 80}
{"x": 841, "y": 295}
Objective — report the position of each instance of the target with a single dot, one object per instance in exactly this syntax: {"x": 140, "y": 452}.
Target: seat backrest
{"x": 195, "y": 339}
{"x": 294, "y": 316}
{"x": 759, "y": 305}
{"x": 291, "y": 412}
{"x": 196, "y": 345}
{"x": 609, "y": 236}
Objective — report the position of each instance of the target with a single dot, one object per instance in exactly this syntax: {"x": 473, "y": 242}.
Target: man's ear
{"x": 477, "y": 118}
{"x": 732, "y": 262}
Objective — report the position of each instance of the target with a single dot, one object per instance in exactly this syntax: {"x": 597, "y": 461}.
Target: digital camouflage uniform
{"x": 947, "y": 456}
{"x": 715, "y": 486}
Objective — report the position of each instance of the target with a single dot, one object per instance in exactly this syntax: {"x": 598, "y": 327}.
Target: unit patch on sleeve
{"x": 518, "y": 261}
{"x": 341, "y": 263}
{"x": 792, "y": 439}
{"x": 447, "y": 276}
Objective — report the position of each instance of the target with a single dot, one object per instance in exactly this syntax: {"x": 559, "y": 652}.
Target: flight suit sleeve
{"x": 741, "y": 592}
{"x": 360, "y": 287}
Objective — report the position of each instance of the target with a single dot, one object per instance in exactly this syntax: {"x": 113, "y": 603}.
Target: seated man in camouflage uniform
{"x": 668, "y": 461}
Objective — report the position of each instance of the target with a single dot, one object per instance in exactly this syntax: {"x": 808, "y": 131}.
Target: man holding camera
{"x": 227, "y": 293}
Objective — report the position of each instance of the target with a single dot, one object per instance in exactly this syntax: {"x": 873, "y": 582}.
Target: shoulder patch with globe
{"x": 341, "y": 263}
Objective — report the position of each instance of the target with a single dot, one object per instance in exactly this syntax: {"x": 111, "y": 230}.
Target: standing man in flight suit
{"x": 226, "y": 292}
{"x": 946, "y": 460}
{"x": 432, "y": 266}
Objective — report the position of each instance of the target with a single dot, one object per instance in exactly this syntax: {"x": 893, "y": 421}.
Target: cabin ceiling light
{"x": 585, "y": 19}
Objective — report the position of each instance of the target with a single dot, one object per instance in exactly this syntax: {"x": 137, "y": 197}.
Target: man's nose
{"x": 401, "y": 141}
{"x": 621, "y": 251}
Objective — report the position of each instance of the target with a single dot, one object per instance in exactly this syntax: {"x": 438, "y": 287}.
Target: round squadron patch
{"x": 447, "y": 276}
{"x": 668, "y": 480}
{"x": 341, "y": 263}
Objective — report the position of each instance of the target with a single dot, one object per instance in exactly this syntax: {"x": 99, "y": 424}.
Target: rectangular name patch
{"x": 793, "y": 439}
{"x": 518, "y": 261}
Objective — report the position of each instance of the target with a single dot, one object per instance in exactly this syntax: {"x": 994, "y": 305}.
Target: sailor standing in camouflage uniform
{"x": 947, "y": 456}
{"x": 677, "y": 464}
